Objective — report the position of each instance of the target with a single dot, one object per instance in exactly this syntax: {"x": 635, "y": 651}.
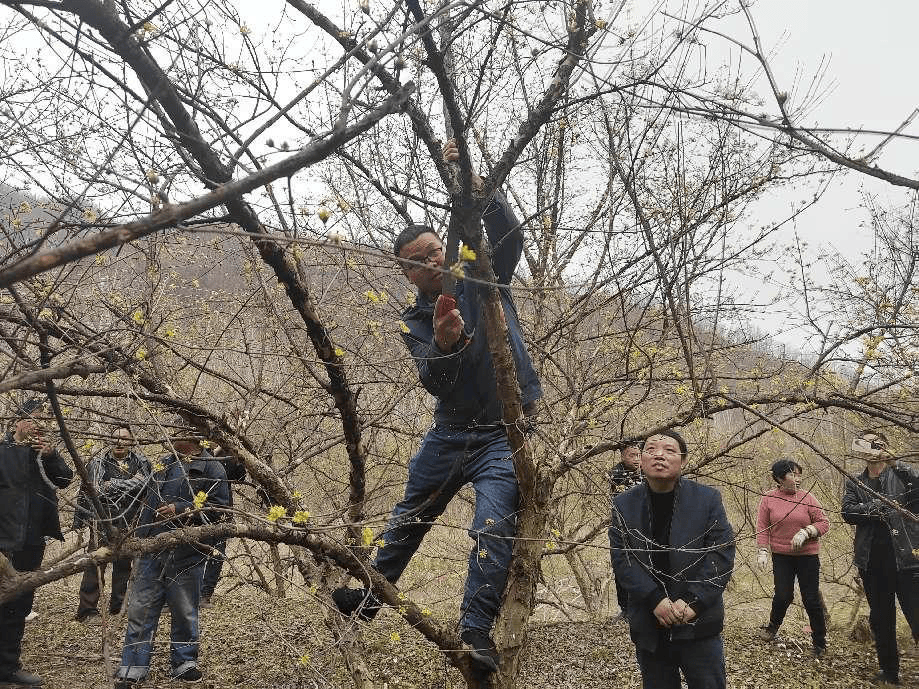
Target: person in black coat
{"x": 885, "y": 544}
{"x": 672, "y": 549}
{"x": 30, "y": 472}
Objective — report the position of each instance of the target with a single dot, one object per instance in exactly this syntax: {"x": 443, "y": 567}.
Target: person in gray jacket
{"x": 119, "y": 477}
{"x": 884, "y": 544}
{"x": 672, "y": 551}
{"x": 30, "y": 472}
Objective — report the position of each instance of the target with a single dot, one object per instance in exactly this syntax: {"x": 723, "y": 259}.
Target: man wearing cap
{"x": 30, "y": 472}
{"x": 119, "y": 477}
{"x": 884, "y": 544}
{"x": 187, "y": 488}
{"x": 468, "y": 442}
{"x": 672, "y": 550}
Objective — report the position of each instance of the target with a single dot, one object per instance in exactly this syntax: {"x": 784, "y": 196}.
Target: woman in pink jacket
{"x": 789, "y": 524}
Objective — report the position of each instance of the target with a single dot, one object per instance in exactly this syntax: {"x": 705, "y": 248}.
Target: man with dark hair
{"x": 884, "y": 544}
{"x": 30, "y": 472}
{"x": 672, "y": 550}
{"x": 186, "y": 489}
{"x": 628, "y": 472}
{"x": 119, "y": 477}
{"x": 622, "y": 477}
{"x": 468, "y": 442}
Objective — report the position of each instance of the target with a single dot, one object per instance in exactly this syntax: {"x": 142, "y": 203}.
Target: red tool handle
{"x": 445, "y": 304}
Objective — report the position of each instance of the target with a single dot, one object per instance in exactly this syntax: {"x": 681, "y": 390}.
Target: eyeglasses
{"x": 427, "y": 258}
{"x": 668, "y": 452}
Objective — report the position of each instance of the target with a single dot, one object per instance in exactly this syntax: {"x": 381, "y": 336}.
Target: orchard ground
{"x": 256, "y": 640}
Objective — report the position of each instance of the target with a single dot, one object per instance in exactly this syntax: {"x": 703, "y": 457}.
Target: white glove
{"x": 762, "y": 559}
{"x": 798, "y": 539}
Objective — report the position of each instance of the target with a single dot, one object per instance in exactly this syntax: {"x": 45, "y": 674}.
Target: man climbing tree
{"x": 468, "y": 442}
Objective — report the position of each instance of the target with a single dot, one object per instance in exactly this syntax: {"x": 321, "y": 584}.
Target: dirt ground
{"x": 256, "y": 641}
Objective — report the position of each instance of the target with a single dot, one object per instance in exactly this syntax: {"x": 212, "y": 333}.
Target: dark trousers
{"x": 882, "y": 586}
{"x": 89, "y": 587}
{"x": 213, "y": 565}
{"x": 807, "y": 570}
{"x": 701, "y": 660}
{"x": 13, "y": 612}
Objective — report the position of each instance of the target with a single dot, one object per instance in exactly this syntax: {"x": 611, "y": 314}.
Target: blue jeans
{"x": 447, "y": 460}
{"x": 701, "y": 660}
{"x": 158, "y": 580}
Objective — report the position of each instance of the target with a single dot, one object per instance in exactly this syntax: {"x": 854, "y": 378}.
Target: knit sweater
{"x": 782, "y": 515}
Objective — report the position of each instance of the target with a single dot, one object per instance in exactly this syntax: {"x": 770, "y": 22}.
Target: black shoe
{"x": 885, "y": 678}
{"x": 192, "y": 674}
{"x": 88, "y": 616}
{"x": 348, "y": 601}
{"x": 22, "y": 678}
{"x": 126, "y": 683}
{"x": 482, "y": 649}
{"x": 819, "y": 651}
{"x": 767, "y": 633}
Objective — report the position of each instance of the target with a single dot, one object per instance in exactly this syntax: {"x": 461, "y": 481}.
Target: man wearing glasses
{"x": 673, "y": 552}
{"x": 30, "y": 472}
{"x": 885, "y": 539}
{"x": 468, "y": 442}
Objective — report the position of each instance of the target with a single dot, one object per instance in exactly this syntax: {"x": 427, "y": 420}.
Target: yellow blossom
{"x": 200, "y": 498}
{"x": 466, "y": 253}
{"x": 550, "y": 545}
{"x": 403, "y": 327}
{"x": 157, "y": 466}
{"x": 366, "y": 536}
{"x": 380, "y": 543}
{"x": 244, "y": 30}
{"x": 372, "y": 296}
{"x": 141, "y": 353}
{"x": 300, "y": 517}
{"x": 297, "y": 494}
{"x": 169, "y": 332}
{"x": 89, "y": 215}
{"x": 305, "y": 659}
{"x": 204, "y": 443}
{"x": 483, "y": 554}
{"x": 402, "y": 609}
{"x": 339, "y": 352}
{"x": 88, "y": 445}
{"x": 395, "y": 638}
{"x": 426, "y": 611}
{"x": 401, "y": 596}
{"x": 457, "y": 270}
{"x": 275, "y": 513}
{"x": 312, "y": 590}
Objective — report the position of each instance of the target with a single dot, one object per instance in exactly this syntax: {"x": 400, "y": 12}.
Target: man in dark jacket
{"x": 884, "y": 544}
{"x": 184, "y": 489}
{"x": 673, "y": 552}
{"x": 213, "y": 564}
{"x": 628, "y": 472}
{"x": 467, "y": 443}
{"x": 30, "y": 472}
{"x": 622, "y": 477}
{"x": 119, "y": 477}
